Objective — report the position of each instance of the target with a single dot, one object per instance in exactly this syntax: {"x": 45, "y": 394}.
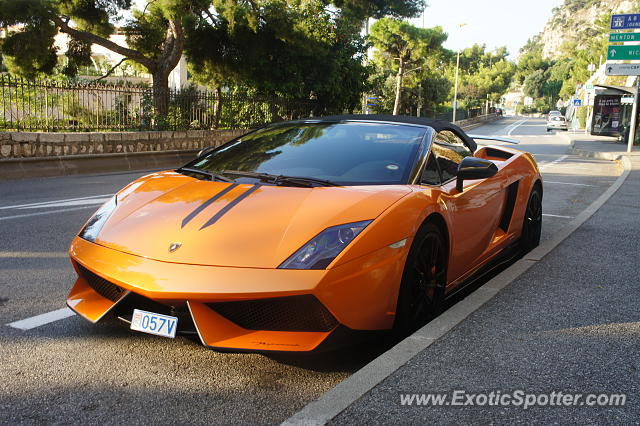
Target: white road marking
{"x": 554, "y": 162}
{"x": 516, "y": 125}
{"x": 510, "y": 128}
{"x": 47, "y": 203}
{"x": 89, "y": 202}
{"x": 20, "y": 216}
{"x": 567, "y": 183}
{"x": 557, "y": 215}
{"x": 33, "y": 254}
{"x": 42, "y": 319}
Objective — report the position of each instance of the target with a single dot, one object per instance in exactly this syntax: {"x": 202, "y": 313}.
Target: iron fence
{"x": 41, "y": 105}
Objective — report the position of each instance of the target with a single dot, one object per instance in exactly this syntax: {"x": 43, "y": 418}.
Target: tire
{"x": 421, "y": 294}
{"x": 532, "y": 226}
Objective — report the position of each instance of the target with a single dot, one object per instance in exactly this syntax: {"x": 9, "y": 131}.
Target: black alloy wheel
{"x": 421, "y": 294}
{"x": 532, "y": 227}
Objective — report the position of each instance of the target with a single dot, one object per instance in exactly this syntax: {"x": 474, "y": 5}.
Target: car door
{"x": 474, "y": 213}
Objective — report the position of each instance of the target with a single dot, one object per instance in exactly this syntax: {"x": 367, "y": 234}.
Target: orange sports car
{"x": 294, "y": 234}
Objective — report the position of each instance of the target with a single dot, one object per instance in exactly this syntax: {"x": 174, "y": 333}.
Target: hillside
{"x": 573, "y": 19}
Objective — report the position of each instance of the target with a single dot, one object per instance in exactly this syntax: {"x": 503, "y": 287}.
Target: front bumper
{"x": 359, "y": 295}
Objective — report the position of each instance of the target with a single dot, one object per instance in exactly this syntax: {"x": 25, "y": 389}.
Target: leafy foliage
{"x": 382, "y": 8}
{"x": 403, "y": 49}
{"x": 297, "y": 51}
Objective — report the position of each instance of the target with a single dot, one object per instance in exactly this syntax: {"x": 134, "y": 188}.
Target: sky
{"x": 492, "y": 22}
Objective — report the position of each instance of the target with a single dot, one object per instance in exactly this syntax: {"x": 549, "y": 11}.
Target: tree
{"x": 534, "y": 84}
{"x": 380, "y": 8}
{"x": 404, "y": 48}
{"x": 484, "y": 75}
{"x": 155, "y": 36}
{"x": 297, "y": 50}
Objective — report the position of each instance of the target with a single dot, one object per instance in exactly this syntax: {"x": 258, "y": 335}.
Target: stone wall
{"x": 14, "y": 145}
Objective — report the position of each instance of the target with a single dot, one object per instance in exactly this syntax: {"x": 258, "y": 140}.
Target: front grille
{"x": 295, "y": 313}
{"x": 103, "y": 287}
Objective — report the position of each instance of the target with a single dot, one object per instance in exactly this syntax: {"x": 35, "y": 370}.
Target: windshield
{"x": 347, "y": 153}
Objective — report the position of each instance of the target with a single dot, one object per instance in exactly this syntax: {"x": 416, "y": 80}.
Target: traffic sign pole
{"x": 634, "y": 115}
{"x": 626, "y": 52}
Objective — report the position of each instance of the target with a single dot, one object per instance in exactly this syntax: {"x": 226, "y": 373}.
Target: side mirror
{"x": 474, "y": 168}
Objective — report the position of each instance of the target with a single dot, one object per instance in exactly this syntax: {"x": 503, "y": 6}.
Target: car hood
{"x": 174, "y": 218}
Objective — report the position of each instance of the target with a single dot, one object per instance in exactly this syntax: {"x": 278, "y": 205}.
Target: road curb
{"x": 610, "y": 156}
{"x": 336, "y": 400}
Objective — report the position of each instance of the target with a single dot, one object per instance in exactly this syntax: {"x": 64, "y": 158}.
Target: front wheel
{"x": 532, "y": 227}
{"x": 421, "y": 294}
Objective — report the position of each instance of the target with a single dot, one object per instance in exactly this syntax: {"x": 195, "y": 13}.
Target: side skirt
{"x": 505, "y": 257}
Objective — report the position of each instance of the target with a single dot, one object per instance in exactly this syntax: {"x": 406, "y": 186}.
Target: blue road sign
{"x": 577, "y": 102}
{"x": 625, "y": 22}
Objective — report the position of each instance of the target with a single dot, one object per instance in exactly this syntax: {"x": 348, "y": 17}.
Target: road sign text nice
{"x": 623, "y": 52}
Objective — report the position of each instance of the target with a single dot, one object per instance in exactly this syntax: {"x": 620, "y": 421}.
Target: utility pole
{"x": 455, "y": 89}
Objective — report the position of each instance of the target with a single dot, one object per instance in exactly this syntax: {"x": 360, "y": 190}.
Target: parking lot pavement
{"x": 70, "y": 371}
{"x": 569, "y": 324}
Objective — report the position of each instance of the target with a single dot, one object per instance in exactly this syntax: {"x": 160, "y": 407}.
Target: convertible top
{"x": 437, "y": 125}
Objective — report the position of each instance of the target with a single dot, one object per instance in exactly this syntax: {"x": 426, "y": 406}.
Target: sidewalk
{"x": 570, "y": 324}
{"x": 600, "y": 147}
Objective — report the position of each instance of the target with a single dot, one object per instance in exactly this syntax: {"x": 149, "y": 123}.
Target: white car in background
{"x": 556, "y": 122}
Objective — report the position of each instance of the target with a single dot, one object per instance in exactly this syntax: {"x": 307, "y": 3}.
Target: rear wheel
{"x": 532, "y": 227}
{"x": 422, "y": 289}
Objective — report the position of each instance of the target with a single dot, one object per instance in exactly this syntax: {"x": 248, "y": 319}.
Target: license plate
{"x": 152, "y": 323}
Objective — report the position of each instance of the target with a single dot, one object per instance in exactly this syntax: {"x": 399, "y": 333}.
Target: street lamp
{"x": 455, "y": 88}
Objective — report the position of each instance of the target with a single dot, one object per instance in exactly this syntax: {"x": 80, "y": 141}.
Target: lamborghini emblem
{"x": 174, "y": 246}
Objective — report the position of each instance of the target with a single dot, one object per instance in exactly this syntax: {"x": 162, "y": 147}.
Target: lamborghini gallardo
{"x": 295, "y": 235}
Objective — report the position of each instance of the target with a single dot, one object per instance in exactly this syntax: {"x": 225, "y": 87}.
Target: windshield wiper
{"x": 275, "y": 179}
{"x": 300, "y": 179}
{"x": 211, "y": 176}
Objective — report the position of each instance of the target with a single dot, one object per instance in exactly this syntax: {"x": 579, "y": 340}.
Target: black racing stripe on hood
{"x": 231, "y": 205}
{"x": 207, "y": 204}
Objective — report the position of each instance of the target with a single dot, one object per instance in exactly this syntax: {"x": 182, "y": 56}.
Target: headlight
{"x": 92, "y": 228}
{"x": 326, "y": 246}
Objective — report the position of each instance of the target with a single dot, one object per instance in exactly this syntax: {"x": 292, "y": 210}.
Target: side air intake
{"x": 103, "y": 287}
{"x": 512, "y": 193}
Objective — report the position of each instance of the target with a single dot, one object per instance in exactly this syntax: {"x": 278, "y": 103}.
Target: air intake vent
{"x": 295, "y": 313}
{"x": 510, "y": 203}
{"x": 103, "y": 287}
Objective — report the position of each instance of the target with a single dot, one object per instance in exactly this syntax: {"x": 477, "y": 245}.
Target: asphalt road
{"x": 69, "y": 371}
